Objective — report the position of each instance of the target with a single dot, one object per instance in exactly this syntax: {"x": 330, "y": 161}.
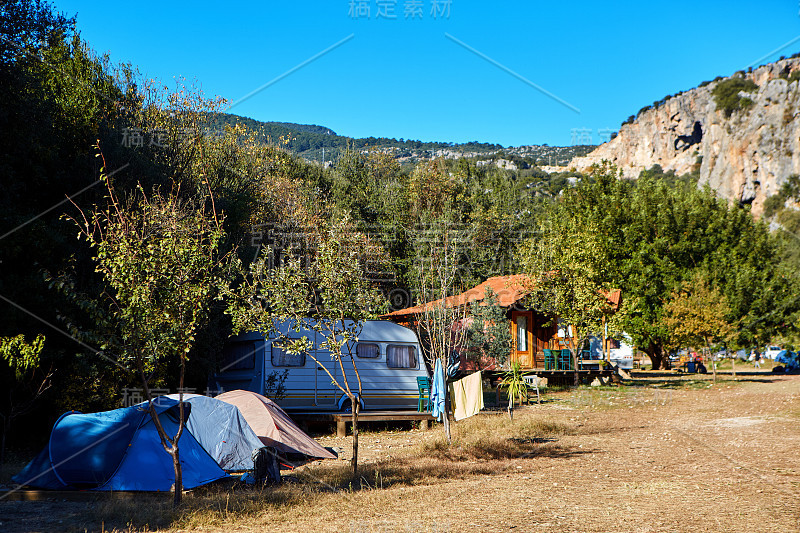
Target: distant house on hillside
{"x": 531, "y": 332}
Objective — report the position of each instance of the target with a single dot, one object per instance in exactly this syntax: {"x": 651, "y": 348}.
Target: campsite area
{"x": 664, "y": 452}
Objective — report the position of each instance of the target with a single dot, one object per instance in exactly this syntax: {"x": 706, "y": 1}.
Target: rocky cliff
{"x": 746, "y": 156}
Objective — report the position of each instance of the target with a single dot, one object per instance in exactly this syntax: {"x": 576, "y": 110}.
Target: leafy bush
{"x": 772, "y": 205}
{"x": 727, "y": 97}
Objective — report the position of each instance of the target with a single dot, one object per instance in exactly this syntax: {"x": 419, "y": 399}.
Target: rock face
{"x": 745, "y": 157}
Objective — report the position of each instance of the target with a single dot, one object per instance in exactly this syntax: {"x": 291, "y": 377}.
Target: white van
{"x": 388, "y": 358}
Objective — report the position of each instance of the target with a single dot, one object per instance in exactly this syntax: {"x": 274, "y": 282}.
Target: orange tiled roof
{"x": 613, "y": 297}
{"x": 509, "y": 290}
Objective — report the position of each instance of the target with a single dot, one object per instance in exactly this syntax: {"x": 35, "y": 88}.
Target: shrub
{"x": 727, "y": 97}
{"x": 772, "y": 205}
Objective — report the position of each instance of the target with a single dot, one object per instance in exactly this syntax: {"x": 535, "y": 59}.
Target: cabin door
{"x": 523, "y": 342}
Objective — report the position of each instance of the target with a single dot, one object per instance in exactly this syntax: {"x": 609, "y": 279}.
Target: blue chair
{"x": 549, "y": 360}
{"x": 565, "y": 360}
{"x": 424, "y": 387}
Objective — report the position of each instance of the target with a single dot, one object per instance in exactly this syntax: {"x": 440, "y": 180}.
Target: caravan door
{"x": 325, "y": 391}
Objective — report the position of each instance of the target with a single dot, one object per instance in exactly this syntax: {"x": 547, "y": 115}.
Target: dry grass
{"x": 609, "y": 459}
{"x": 496, "y": 437}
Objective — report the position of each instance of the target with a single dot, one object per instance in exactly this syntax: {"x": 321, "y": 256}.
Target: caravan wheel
{"x": 347, "y": 406}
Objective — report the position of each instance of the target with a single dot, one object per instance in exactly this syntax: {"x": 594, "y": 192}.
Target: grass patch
{"x": 12, "y": 466}
{"x": 486, "y": 438}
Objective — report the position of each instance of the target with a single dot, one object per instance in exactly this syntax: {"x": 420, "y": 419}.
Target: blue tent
{"x": 790, "y": 360}
{"x": 118, "y": 450}
{"x": 222, "y": 431}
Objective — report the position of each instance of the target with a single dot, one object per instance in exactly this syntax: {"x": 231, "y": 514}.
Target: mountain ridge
{"x": 740, "y": 133}
{"x": 308, "y": 142}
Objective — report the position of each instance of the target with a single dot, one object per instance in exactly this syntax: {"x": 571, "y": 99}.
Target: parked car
{"x": 772, "y": 352}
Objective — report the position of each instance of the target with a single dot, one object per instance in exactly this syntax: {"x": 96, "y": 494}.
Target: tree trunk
{"x": 446, "y": 416}
{"x": 733, "y": 366}
{"x": 354, "y": 461}
{"x": 656, "y": 354}
{"x": 713, "y": 360}
{"x": 169, "y": 444}
{"x": 176, "y": 463}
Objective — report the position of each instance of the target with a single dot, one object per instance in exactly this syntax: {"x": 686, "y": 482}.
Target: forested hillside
{"x": 309, "y": 142}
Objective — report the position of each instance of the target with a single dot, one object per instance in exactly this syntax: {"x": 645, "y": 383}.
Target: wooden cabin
{"x": 531, "y": 332}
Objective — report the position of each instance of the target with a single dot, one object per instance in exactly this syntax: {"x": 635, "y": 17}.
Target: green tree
{"x": 328, "y": 293}
{"x": 23, "y": 360}
{"x": 696, "y": 315}
{"x": 655, "y": 234}
{"x": 488, "y": 337}
{"x": 570, "y": 278}
{"x": 57, "y": 98}
{"x": 161, "y": 267}
{"x": 30, "y": 26}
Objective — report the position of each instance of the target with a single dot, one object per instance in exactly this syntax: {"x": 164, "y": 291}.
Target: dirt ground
{"x": 662, "y": 454}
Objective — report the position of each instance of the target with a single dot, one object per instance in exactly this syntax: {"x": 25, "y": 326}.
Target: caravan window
{"x": 238, "y": 356}
{"x": 368, "y": 351}
{"x": 401, "y": 356}
{"x": 282, "y": 358}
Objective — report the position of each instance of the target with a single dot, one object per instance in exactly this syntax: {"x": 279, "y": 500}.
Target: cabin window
{"x": 238, "y": 356}
{"x": 522, "y": 334}
{"x": 401, "y": 356}
{"x": 281, "y": 357}
{"x": 368, "y": 351}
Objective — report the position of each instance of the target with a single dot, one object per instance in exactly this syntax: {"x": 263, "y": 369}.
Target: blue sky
{"x": 405, "y": 78}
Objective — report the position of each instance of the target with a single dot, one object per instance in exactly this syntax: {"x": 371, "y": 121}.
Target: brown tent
{"x": 273, "y": 426}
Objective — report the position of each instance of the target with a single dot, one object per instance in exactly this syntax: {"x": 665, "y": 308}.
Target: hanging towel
{"x": 436, "y": 401}
{"x": 467, "y": 396}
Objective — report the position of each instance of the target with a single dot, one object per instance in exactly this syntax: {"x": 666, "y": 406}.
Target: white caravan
{"x": 387, "y": 355}
{"x": 622, "y": 356}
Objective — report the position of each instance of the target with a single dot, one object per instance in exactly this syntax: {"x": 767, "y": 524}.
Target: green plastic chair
{"x": 565, "y": 360}
{"x": 549, "y": 360}
{"x": 424, "y": 387}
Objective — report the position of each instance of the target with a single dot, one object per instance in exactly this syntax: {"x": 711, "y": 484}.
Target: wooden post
{"x": 423, "y": 425}
{"x": 341, "y": 428}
